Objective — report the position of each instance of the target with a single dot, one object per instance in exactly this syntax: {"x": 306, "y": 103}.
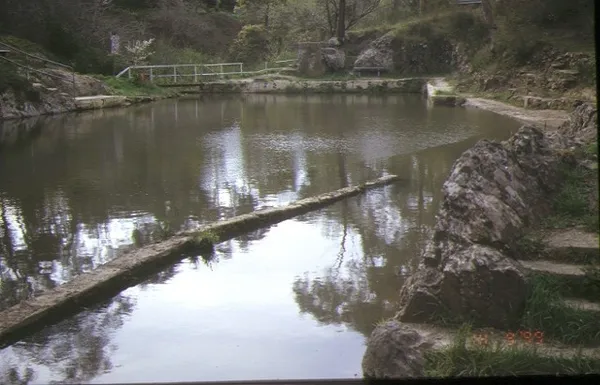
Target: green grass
{"x": 547, "y": 312}
{"x": 22, "y": 88}
{"x": 571, "y": 204}
{"x": 126, "y": 87}
{"x": 530, "y": 246}
{"x": 591, "y": 150}
{"x": 206, "y": 238}
{"x": 462, "y": 360}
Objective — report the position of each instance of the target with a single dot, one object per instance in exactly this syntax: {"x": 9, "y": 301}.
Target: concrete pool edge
{"x": 134, "y": 267}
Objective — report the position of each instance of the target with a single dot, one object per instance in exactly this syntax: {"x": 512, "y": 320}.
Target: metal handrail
{"x": 175, "y": 66}
{"x": 10, "y": 47}
{"x": 30, "y": 68}
{"x": 36, "y": 70}
{"x": 202, "y": 68}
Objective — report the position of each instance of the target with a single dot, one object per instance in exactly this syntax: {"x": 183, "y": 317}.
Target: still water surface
{"x": 296, "y": 300}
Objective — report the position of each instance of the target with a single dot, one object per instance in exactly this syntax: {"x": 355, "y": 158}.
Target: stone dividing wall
{"x": 286, "y": 86}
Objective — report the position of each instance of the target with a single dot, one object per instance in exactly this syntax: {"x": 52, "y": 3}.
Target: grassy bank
{"x": 131, "y": 88}
{"x": 576, "y": 204}
{"x": 461, "y": 359}
{"x": 546, "y": 311}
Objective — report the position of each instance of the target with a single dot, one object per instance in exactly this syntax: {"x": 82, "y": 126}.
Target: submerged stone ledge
{"x": 469, "y": 270}
{"x": 132, "y": 268}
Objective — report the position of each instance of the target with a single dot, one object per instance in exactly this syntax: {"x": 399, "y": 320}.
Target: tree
{"x": 344, "y": 14}
{"x": 262, "y": 7}
{"x": 227, "y": 5}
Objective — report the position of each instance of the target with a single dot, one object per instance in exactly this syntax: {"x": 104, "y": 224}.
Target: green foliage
{"x": 591, "y": 150}
{"x": 27, "y": 46}
{"x": 529, "y": 247}
{"x": 251, "y": 45}
{"x": 126, "y": 87}
{"x": 206, "y": 239}
{"x": 571, "y": 205}
{"x": 587, "y": 73}
{"x": 547, "y": 312}
{"x": 11, "y": 79}
{"x": 547, "y": 13}
{"x": 96, "y": 61}
{"x": 459, "y": 359}
{"x": 166, "y": 53}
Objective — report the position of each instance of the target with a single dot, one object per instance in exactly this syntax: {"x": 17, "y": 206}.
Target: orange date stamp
{"x": 510, "y": 337}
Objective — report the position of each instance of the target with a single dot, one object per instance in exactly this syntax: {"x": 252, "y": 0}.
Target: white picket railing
{"x": 195, "y": 72}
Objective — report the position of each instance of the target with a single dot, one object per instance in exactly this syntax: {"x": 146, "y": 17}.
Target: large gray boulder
{"x": 409, "y": 53}
{"x": 334, "y": 59}
{"x": 582, "y": 126}
{"x": 468, "y": 270}
{"x": 75, "y": 84}
{"x": 395, "y": 350}
{"x": 378, "y": 54}
{"x": 316, "y": 59}
{"x": 38, "y": 101}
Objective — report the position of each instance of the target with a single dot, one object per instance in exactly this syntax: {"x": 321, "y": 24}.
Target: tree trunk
{"x": 267, "y": 16}
{"x": 341, "y": 21}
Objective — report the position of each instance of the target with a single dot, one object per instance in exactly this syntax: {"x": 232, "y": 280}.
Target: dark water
{"x": 292, "y": 301}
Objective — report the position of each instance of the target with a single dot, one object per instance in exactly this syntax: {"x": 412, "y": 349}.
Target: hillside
{"x": 538, "y": 53}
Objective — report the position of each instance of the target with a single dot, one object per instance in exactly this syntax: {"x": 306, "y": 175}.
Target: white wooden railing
{"x": 195, "y": 73}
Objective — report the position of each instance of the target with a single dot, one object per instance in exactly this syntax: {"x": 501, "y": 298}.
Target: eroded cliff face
{"x": 49, "y": 94}
{"x": 409, "y": 55}
{"x": 15, "y": 105}
{"x": 469, "y": 270}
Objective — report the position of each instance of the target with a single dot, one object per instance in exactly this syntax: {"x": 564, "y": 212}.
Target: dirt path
{"x": 540, "y": 118}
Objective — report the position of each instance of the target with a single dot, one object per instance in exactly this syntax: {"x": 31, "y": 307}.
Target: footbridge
{"x": 185, "y": 75}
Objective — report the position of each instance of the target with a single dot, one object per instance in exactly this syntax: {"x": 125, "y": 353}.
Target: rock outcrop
{"x": 492, "y": 193}
{"x": 469, "y": 270}
{"x": 378, "y": 54}
{"x": 582, "y": 126}
{"x": 408, "y": 54}
{"x": 75, "y": 84}
{"x": 38, "y": 101}
{"x": 316, "y": 59}
{"x": 334, "y": 59}
{"x": 395, "y": 350}
{"x": 49, "y": 94}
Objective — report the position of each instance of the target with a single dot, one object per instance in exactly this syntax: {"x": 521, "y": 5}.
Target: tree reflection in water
{"x": 393, "y": 225}
{"x": 122, "y": 170}
{"x": 76, "y": 350}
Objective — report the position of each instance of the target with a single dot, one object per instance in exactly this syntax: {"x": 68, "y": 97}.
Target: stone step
{"x": 583, "y": 304}
{"x": 572, "y": 245}
{"x": 573, "y": 279}
{"x": 554, "y": 268}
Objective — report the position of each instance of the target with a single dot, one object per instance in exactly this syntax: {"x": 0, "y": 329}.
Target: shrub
{"x": 251, "y": 45}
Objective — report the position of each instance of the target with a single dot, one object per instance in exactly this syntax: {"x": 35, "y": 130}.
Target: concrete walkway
{"x": 541, "y": 118}
{"x": 100, "y": 101}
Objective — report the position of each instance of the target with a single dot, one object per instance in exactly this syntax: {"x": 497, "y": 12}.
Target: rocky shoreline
{"x": 470, "y": 269}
